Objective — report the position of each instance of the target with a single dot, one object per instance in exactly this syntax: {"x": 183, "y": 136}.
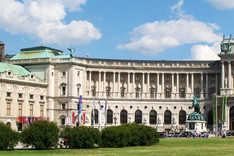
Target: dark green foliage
{"x": 8, "y": 137}
{"x": 81, "y": 137}
{"x": 41, "y": 135}
{"x": 129, "y": 135}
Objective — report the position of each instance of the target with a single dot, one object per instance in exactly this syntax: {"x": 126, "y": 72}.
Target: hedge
{"x": 81, "y": 137}
{"x": 129, "y": 135}
{"x": 41, "y": 135}
{"x": 8, "y": 137}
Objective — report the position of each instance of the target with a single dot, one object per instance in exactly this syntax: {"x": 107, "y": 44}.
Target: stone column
{"x": 207, "y": 96}
{"x": 172, "y": 85}
{"x": 202, "y": 90}
{"x": 90, "y": 79}
{"x": 162, "y": 91}
{"x": 157, "y": 85}
{"x": 118, "y": 84}
{"x": 222, "y": 76}
{"x": 177, "y": 85}
{"x": 128, "y": 95}
{"x": 148, "y": 84}
{"x": 192, "y": 85}
{"x": 99, "y": 84}
{"x": 142, "y": 87}
{"x": 229, "y": 75}
{"x": 104, "y": 84}
{"x": 113, "y": 85}
{"x": 187, "y": 84}
{"x": 133, "y": 84}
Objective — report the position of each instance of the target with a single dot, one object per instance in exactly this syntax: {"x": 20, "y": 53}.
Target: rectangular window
{"x": 64, "y": 74}
{"x": 31, "y": 110}
{"x": 63, "y": 106}
{"x": 42, "y": 97}
{"x": 8, "y": 108}
{"x": 20, "y": 95}
{"x": 20, "y": 109}
{"x": 63, "y": 90}
{"x": 152, "y": 79}
{"x": 122, "y": 78}
{"x": 41, "y": 110}
{"x": 31, "y": 96}
{"x": 8, "y": 94}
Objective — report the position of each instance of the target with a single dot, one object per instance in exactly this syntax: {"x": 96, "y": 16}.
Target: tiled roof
{"x": 18, "y": 70}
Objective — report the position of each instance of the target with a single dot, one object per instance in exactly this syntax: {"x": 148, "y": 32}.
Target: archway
{"x": 182, "y": 117}
{"x": 231, "y": 118}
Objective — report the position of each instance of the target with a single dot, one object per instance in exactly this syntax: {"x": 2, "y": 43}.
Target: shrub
{"x": 41, "y": 135}
{"x": 129, "y": 135}
{"x": 81, "y": 137}
{"x": 8, "y": 137}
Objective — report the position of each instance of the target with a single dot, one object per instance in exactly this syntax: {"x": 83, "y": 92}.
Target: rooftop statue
{"x": 196, "y": 115}
{"x": 72, "y": 51}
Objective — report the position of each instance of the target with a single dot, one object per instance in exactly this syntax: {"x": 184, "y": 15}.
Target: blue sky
{"x": 119, "y": 29}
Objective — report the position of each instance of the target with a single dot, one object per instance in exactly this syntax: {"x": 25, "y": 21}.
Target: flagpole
{"x": 106, "y": 112}
{"x": 216, "y": 126}
{"x": 100, "y": 116}
{"x": 93, "y": 111}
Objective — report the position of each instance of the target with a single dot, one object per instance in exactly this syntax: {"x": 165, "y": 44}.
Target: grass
{"x": 212, "y": 146}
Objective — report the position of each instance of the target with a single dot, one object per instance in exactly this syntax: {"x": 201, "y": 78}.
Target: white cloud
{"x": 222, "y": 4}
{"x": 152, "y": 38}
{"x": 158, "y": 36}
{"x": 44, "y": 20}
{"x": 205, "y": 52}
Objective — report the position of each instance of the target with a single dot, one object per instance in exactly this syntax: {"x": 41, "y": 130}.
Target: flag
{"x": 106, "y": 111}
{"x": 80, "y": 106}
{"x": 68, "y": 121}
{"x": 222, "y": 110}
{"x": 19, "y": 120}
{"x": 100, "y": 114}
{"x": 214, "y": 110}
{"x": 73, "y": 117}
{"x": 83, "y": 118}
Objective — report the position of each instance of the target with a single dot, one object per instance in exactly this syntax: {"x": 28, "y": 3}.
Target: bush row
{"x": 45, "y": 135}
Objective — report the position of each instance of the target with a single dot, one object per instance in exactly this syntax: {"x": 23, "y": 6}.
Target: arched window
{"x": 138, "y": 117}
{"x": 153, "y": 117}
{"x": 210, "y": 117}
{"x": 63, "y": 120}
{"x": 95, "y": 116}
{"x": 232, "y": 118}
{"x": 182, "y": 117}
{"x": 123, "y": 116}
{"x": 167, "y": 117}
{"x": 109, "y": 116}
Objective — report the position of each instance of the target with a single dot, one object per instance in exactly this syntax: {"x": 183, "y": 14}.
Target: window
{"x": 8, "y": 108}
{"x": 63, "y": 90}
{"x": 20, "y": 109}
{"x": 152, "y": 93}
{"x": 122, "y": 78}
{"x": 137, "y": 92}
{"x": 63, "y": 106}
{"x": 107, "y": 78}
{"x": 167, "y": 93}
{"x": 78, "y": 74}
{"x": 41, "y": 110}
{"x": 152, "y": 79}
{"x": 167, "y": 117}
{"x": 109, "y": 116}
{"x": 137, "y": 79}
{"x": 42, "y": 97}
{"x": 63, "y": 121}
{"x": 182, "y": 79}
{"x": 167, "y": 79}
{"x": 8, "y": 94}
{"x": 182, "y": 92}
{"x": 95, "y": 117}
{"x": 138, "y": 117}
{"x": 31, "y": 110}
{"x": 182, "y": 117}
{"x": 122, "y": 92}
{"x": 20, "y": 95}
{"x": 153, "y": 117}
{"x": 31, "y": 96}
{"x": 108, "y": 91}
{"x": 78, "y": 91}
{"x": 123, "y": 116}
{"x": 64, "y": 74}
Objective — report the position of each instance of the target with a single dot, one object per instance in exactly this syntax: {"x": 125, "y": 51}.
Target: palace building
{"x": 42, "y": 83}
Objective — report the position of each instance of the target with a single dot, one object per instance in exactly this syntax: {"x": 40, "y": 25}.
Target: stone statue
{"x": 72, "y": 51}
{"x": 196, "y": 115}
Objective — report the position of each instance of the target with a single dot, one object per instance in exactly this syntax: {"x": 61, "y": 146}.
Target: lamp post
{"x": 115, "y": 119}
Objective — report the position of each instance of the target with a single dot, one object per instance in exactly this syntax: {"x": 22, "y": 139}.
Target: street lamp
{"x": 115, "y": 119}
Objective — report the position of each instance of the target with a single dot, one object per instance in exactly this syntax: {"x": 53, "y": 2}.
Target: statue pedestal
{"x": 196, "y": 125}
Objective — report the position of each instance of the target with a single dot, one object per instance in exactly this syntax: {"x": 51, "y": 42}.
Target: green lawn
{"x": 213, "y": 146}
